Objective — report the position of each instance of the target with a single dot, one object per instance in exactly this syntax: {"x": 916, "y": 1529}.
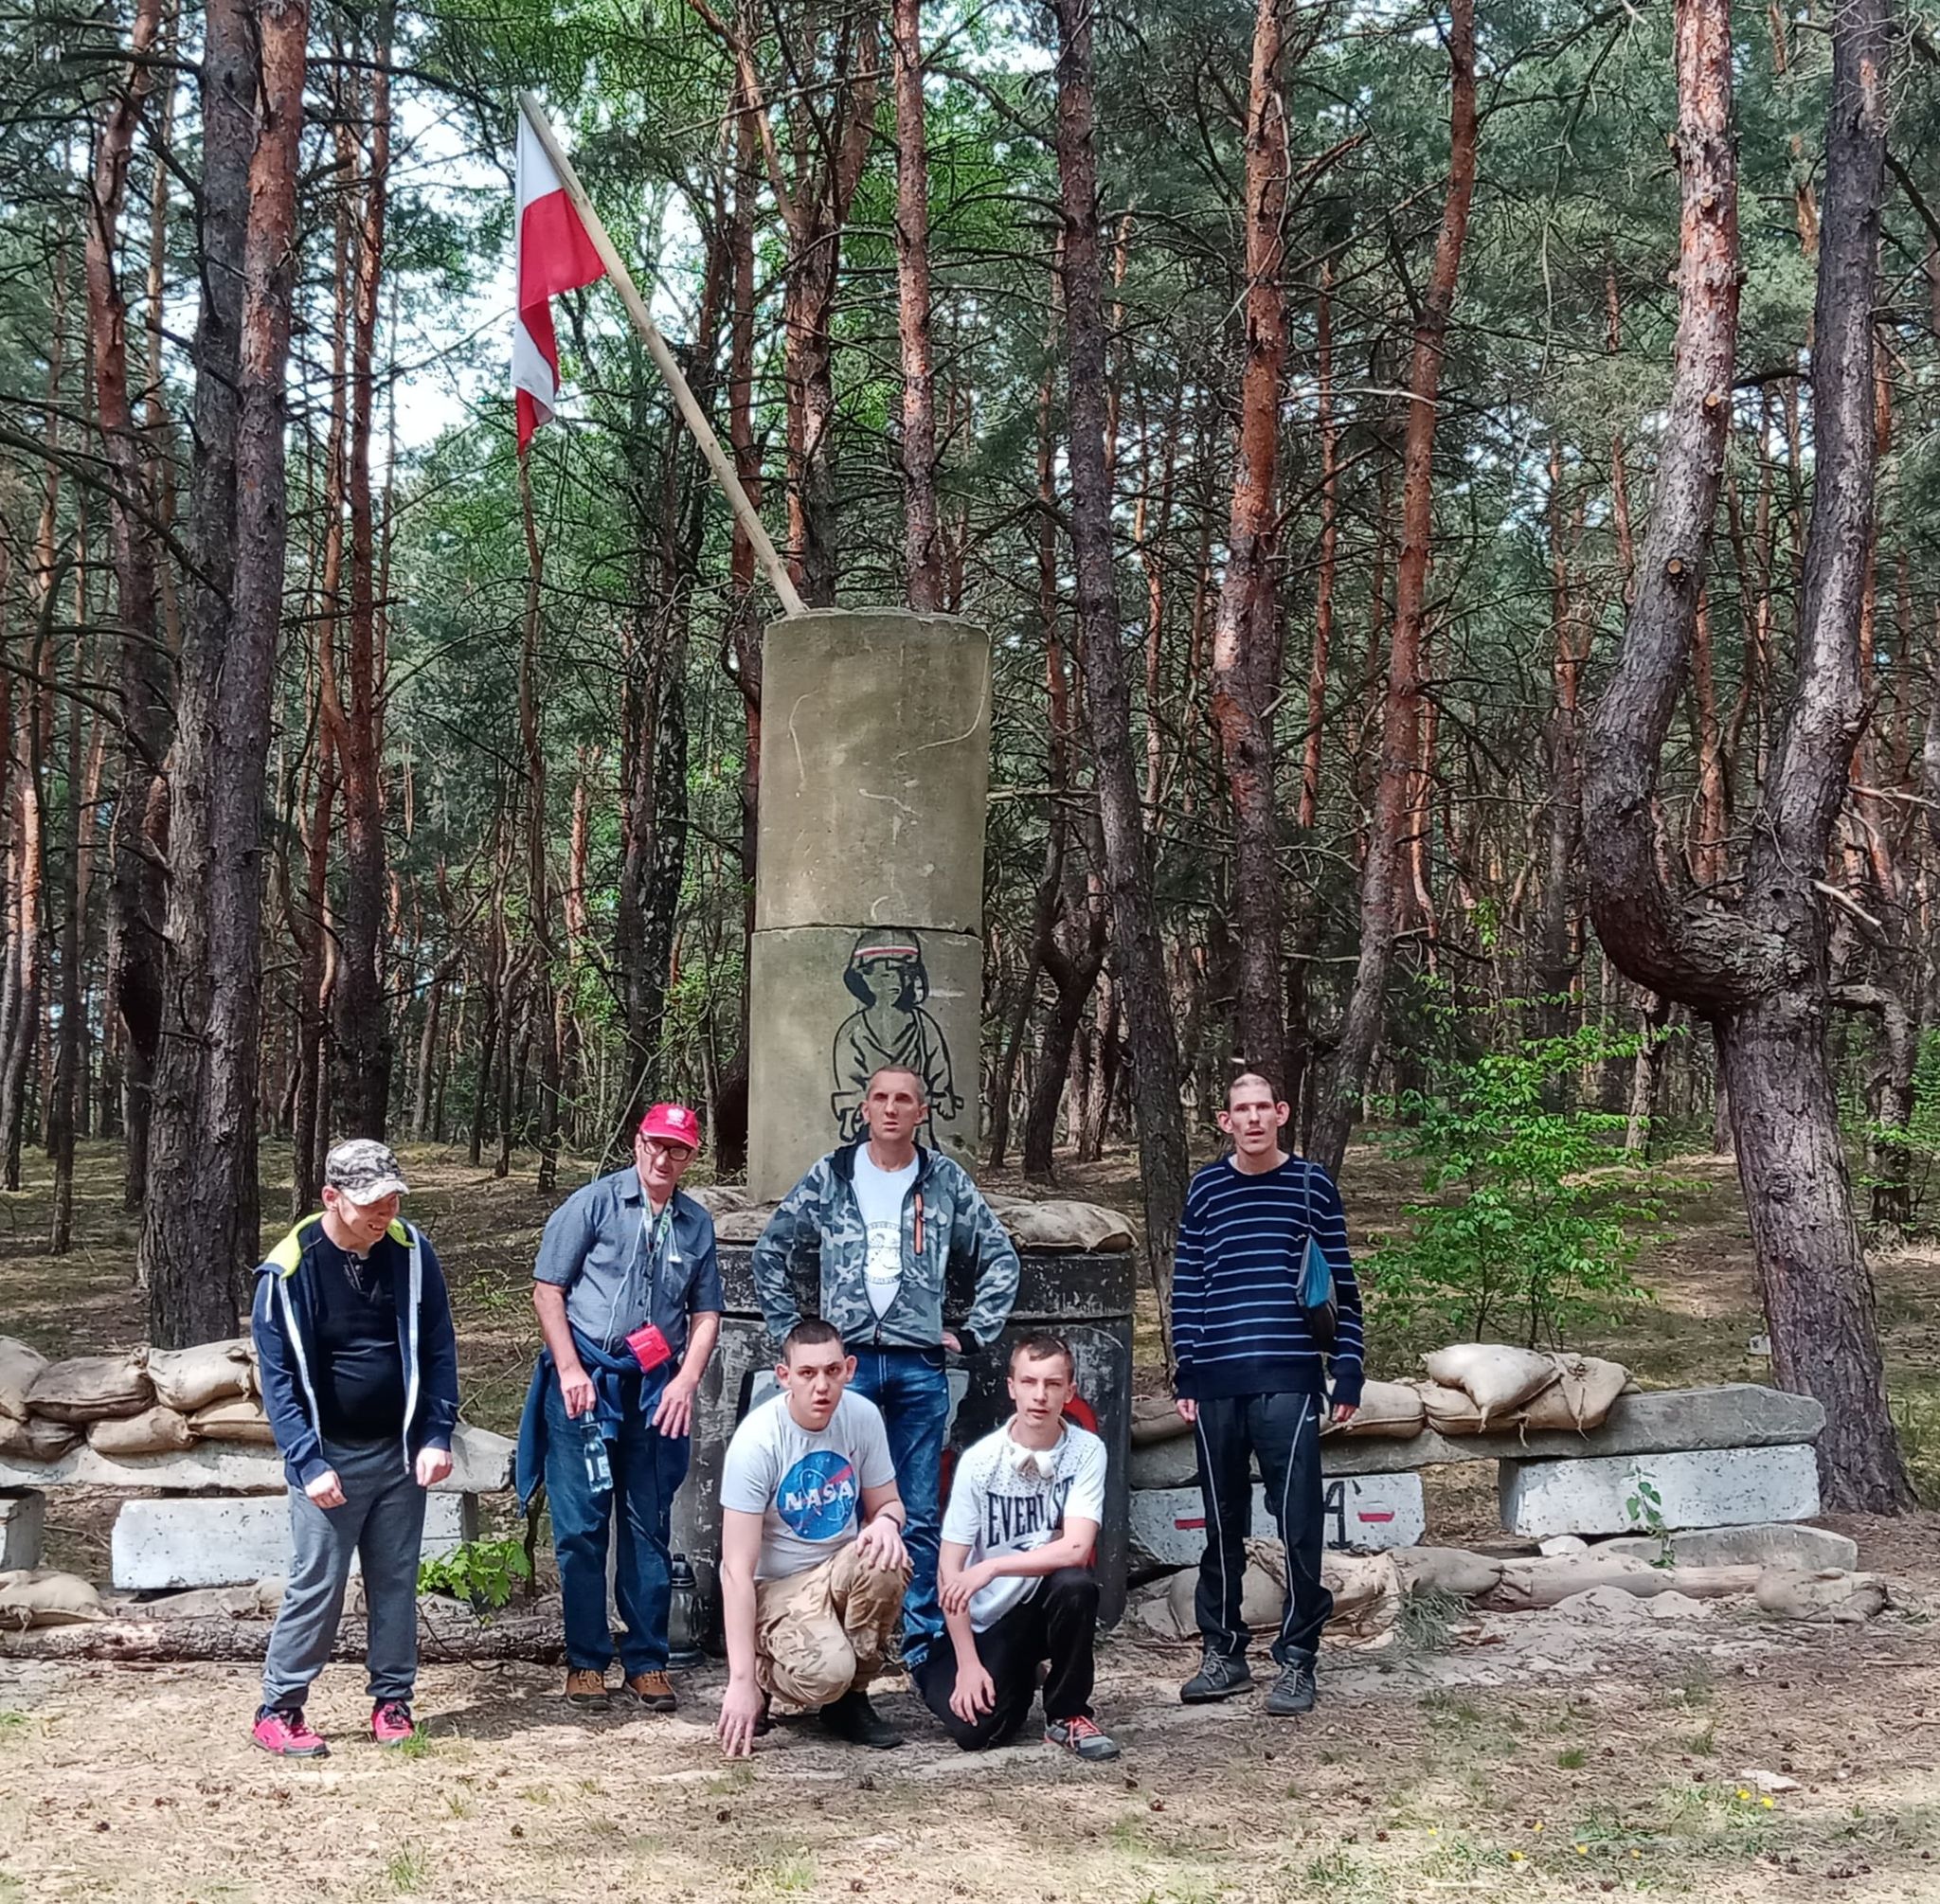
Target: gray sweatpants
{"x": 382, "y": 1524}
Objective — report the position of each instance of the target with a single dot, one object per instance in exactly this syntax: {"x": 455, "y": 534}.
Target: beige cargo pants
{"x": 821, "y": 1633}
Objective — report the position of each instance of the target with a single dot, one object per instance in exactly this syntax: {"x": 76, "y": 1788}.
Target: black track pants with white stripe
{"x": 1284, "y": 1433}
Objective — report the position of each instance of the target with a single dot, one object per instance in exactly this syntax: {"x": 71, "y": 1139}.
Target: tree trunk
{"x": 1246, "y": 631}
{"x": 538, "y": 885}
{"x": 1137, "y": 951}
{"x": 69, "y": 1085}
{"x": 922, "y": 541}
{"x": 1330, "y": 542}
{"x": 1556, "y": 962}
{"x": 135, "y": 896}
{"x": 200, "y": 1220}
{"x": 1381, "y": 875}
{"x": 363, "y": 1050}
{"x": 1756, "y": 966}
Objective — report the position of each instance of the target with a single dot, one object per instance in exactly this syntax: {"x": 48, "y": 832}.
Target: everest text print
{"x": 1009, "y": 1500}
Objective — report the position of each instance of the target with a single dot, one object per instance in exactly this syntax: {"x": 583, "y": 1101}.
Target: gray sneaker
{"x": 1081, "y": 1736}
{"x": 1293, "y": 1692}
{"x": 1219, "y": 1676}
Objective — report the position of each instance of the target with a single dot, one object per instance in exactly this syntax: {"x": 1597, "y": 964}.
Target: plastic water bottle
{"x": 599, "y": 1471}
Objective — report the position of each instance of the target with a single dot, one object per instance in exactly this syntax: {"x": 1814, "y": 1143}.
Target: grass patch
{"x": 790, "y": 1874}
{"x": 1572, "y": 1758}
{"x": 408, "y": 1871}
{"x": 1428, "y": 1616}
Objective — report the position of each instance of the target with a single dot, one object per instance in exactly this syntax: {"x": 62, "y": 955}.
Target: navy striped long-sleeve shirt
{"x": 1238, "y": 1324}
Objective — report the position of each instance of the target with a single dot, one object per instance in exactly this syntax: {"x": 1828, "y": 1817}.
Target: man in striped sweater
{"x": 1252, "y": 1382}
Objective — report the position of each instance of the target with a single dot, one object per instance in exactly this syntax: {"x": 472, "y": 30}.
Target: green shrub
{"x": 482, "y": 1571}
{"x": 1531, "y": 1215}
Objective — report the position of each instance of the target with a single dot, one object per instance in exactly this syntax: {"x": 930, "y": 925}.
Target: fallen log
{"x": 447, "y": 1632}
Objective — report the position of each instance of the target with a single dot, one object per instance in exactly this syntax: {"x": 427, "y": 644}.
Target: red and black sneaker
{"x": 391, "y": 1722}
{"x": 282, "y": 1732}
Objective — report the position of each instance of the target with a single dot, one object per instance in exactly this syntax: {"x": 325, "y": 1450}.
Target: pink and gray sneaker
{"x": 284, "y": 1732}
{"x": 391, "y": 1722}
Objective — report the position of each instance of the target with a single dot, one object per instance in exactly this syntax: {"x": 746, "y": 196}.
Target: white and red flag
{"x": 555, "y": 254}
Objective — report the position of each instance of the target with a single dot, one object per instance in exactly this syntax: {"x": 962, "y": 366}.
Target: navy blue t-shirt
{"x": 360, "y": 1367}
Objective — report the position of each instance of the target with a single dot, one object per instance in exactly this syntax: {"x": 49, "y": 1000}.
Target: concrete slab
{"x": 1734, "y": 1414}
{"x": 1713, "y": 1487}
{"x": 213, "y": 1542}
{"x": 23, "y": 1528}
{"x": 481, "y": 1463}
{"x": 1365, "y": 1512}
{"x": 1767, "y": 1544}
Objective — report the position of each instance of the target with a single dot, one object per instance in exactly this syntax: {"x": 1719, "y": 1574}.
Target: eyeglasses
{"x": 655, "y": 1147}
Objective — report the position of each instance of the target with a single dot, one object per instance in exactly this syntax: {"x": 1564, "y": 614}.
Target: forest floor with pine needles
{"x": 1491, "y": 1761}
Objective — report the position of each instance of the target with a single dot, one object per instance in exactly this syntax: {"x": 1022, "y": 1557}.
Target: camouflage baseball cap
{"x": 364, "y": 1170}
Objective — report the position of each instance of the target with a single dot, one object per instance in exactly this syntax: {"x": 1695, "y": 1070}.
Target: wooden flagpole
{"x": 696, "y": 418}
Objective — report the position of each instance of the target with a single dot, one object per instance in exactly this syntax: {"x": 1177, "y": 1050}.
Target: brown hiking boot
{"x": 653, "y": 1691}
{"x": 587, "y": 1690}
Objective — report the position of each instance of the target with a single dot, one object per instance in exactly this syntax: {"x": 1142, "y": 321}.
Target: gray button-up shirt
{"x": 620, "y": 1269}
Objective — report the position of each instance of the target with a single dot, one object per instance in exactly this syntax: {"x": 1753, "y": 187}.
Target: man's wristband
{"x": 898, "y": 1521}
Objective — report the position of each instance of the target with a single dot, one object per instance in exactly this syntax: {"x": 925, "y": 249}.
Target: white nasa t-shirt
{"x": 879, "y": 1192}
{"x": 806, "y": 1487}
{"x": 1009, "y": 1500}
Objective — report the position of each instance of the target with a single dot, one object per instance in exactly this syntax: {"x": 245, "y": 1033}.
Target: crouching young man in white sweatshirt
{"x": 1016, "y": 1574}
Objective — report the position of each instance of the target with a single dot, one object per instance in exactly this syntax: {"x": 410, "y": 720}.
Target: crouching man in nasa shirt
{"x": 1018, "y": 1585}
{"x": 813, "y": 1565}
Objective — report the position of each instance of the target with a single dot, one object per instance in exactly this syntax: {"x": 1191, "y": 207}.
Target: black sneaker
{"x": 1293, "y": 1692}
{"x": 1219, "y": 1676}
{"x": 854, "y": 1719}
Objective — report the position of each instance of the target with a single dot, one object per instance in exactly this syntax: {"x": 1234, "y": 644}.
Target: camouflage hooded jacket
{"x": 946, "y": 1228}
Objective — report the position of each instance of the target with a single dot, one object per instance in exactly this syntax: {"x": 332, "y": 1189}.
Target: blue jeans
{"x": 912, "y": 1389}
{"x": 648, "y": 1468}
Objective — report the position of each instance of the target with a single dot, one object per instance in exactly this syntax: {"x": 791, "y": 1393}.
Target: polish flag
{"x": 554, "y": 254}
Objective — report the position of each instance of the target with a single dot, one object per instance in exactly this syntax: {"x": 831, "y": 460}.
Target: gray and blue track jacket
{"x": 284, "y": 1321}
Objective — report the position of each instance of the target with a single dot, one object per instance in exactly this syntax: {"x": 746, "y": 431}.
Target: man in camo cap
{"x": 360, "y": 1381}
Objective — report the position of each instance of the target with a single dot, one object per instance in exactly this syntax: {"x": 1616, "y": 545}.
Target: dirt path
{"x": 1541, "y": 1761}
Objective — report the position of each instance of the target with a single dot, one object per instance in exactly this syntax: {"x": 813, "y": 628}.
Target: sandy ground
{"x": 1534, "y": 1756}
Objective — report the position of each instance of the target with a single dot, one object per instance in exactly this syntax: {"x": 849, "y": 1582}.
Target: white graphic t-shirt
{"x": 880, "y": 1193}
{"x": 806, "y": 1487}
{"x": 1009, "y": 1500}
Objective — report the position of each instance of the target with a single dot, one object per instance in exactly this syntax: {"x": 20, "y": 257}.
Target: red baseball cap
{"x": 673, "y": 1123}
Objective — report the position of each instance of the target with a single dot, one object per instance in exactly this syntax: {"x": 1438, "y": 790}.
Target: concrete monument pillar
{"x": 868, "y": 944}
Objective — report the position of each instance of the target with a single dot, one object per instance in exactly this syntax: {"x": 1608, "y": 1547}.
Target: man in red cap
{"x": 628, "y": 1299}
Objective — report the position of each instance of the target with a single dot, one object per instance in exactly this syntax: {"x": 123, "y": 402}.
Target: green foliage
{"x": 1531, "y": 1217}
{"x": 482, "y": 1572}
{"x": 1917, "y": 1140}
{"x": 1644, "y": 1510}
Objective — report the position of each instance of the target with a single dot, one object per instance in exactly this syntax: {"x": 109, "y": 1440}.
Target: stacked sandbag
{"x": 189, "y": 1379}
{"x": 155, "y": 1430}
{"x": 1060, "y": 1224}
{"x": 1585, "y": 1389}
{"x": 1366, "y": 1588}
{"x": 239, "y": 1419}
{"x": 88, "y": 1388}
{"x": 1476, "y": 1388}
{"x": 35, "y": 1597}
{"x": 1392, "y": 1411}
{"x": 20, "y": 1368}
{"x": 37, "y": 1439}
{"x": 1496, "y": 1379}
